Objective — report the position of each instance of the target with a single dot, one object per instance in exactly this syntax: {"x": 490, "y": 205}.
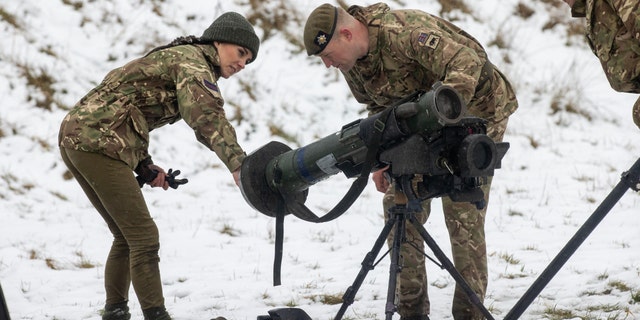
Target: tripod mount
{"x": 403, "y": 212}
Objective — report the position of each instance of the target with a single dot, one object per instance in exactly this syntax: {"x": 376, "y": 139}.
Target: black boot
{"x": 116, "y": 311}
{"x": 423, "y": 317}
{"x": 156, "y": 313}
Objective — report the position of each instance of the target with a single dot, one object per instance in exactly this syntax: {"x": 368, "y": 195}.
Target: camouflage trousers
{"x": 465, "y": 224}
{"x": 133, "y": 259}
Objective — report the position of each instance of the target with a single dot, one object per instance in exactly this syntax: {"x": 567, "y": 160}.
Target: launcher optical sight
{"x": 424, "y": 134}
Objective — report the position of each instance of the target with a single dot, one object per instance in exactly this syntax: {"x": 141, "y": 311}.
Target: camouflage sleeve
{"x": 200, "y": 105}
{"x": 357, "y": 89}
{"x": 613, "y": 28}
{"x": 629, "y": 13}
{"x": 448, "y": 61}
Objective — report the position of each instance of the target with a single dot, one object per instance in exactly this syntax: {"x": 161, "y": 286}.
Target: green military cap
{"x": 319, "y": 28}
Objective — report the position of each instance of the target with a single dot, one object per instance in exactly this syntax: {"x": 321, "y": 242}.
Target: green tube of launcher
{"x": 435, "y": 109}
{"x": 296, "y": 170}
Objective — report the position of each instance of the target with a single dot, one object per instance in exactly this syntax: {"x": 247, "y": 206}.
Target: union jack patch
{"x": 422, "y": 38}
{"x": 428, "y": 40}
{"x": 211, "y": 86}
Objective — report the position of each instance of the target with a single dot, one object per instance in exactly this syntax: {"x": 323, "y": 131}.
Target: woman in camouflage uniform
{"x": 106, "y": 136}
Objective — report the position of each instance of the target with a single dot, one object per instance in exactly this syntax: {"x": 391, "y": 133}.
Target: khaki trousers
{"x": 133, "y": 259}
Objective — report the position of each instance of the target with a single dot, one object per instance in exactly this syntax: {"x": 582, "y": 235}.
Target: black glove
{"x": 171, "y": 179}
{"x": 144, "y": 173}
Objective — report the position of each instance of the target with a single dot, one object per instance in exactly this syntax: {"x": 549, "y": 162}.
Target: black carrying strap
{"x": 301, "y": 211}
{"x": 277, "y": 260}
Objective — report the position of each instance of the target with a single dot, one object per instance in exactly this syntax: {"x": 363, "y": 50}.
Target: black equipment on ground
{"x": 285, "y": 314}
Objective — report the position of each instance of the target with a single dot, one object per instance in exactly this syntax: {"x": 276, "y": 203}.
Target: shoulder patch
{"x": 210, "y": 85}
{"x": 428, "y": 40}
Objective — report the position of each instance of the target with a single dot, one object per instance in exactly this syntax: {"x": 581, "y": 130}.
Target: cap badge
{"x": 321, "y": 39}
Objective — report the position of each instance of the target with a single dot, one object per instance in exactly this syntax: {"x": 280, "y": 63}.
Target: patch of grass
{"x": 77, "y": 5}
{"x": 635, "y": 296}
{"x": 329, "y": 299}
{"x": 229, "y": 230}
{"x": 51, "y": 263}
{"x": 524, "y": 10}
{"x": 513, "y": 213}
{"x": 59, "y": 195}
{"x": 509, "y": 258}
{"x": 277, "y": 131}
{"x": 322, "y": 236}
{"x": 617, "y": 284}
{"x": 603, "y": 276}
{"x": 10, "y": 19}
{"x": 274, "y": 19}
{"x": 605, "y": 307}
{"x": 533, "y": 142}
{"x": 43, "y": 83}
{"x": 555, "y": 313}
{"x": 67, "y": 175}
{"x": 291, "y": 303}
{"x": 453, "y": 5}
{"x": 84, "y": 263}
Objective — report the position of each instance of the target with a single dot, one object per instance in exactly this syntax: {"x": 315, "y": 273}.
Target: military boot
{"x": 156, "y": 313}
{"x": 117, "y": 311}
{"x": 423, "y": 317}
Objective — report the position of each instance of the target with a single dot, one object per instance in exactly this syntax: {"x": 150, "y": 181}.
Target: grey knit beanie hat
{"x": 233, "y": 28}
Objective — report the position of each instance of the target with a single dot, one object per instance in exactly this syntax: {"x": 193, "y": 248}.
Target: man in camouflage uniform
{"x": 386, "y": 55}
{"x": 613, "y": 33}
{"x": 106, "y": 136}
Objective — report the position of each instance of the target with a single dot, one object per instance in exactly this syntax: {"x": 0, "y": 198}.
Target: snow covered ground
{"x": 570, "y": 141}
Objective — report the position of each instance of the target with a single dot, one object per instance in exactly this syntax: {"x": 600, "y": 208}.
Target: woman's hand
{"x": 236, "y": 177}
{"x": 160, "y": 180}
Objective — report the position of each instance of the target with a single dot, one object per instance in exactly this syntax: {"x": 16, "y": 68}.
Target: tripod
{"x": 400, "y": 214}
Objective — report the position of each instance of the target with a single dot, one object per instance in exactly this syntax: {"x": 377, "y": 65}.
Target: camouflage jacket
{"x": 410, "y": 50}
{"x": 175, "y": 83}
{"x": 613, "y": 32}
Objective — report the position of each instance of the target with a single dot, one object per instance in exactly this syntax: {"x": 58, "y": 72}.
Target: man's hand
{"x": 379, "y": 179}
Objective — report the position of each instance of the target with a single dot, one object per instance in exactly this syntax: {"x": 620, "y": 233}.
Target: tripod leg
{"x": 397, "y": 215}
{"x": 448, "y": 265}
{"x": 367, "y": 264}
